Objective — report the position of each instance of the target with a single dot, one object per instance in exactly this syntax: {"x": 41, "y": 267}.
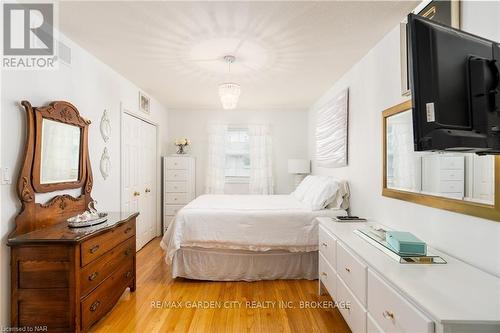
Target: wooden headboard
{"x": 34, "y": 215}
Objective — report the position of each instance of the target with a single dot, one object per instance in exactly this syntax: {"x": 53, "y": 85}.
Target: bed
{"x": 246, "y": 237}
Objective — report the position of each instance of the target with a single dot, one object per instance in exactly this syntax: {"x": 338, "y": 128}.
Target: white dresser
{"x": 382, "y": 295}
{"x": 179, "y": 185}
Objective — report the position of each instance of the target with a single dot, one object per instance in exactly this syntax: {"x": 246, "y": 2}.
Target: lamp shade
{"x": 298, "y": 166}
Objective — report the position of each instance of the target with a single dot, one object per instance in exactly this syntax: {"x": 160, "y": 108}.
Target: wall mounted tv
{"x": 455, "y": 83}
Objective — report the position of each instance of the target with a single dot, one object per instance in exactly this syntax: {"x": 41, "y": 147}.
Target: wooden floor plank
{"x": 134, "y": 311}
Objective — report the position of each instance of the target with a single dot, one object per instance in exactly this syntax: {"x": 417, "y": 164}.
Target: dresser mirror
{"x": 60, "y": 148}
{"x": 60, "y": 152}
{"x": 460, "y": 182}
{"x": 55, "y": 159}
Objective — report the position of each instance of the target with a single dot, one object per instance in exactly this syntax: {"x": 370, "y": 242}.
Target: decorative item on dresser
{"x": 64, "y": 278}
{"x": 381, "y": 295}
{"x": 179, "y": 185}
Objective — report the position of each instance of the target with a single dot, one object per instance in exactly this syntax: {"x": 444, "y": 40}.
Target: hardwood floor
{"x": 161, "y": 304}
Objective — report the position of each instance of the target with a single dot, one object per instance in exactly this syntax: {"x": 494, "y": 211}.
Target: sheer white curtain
{"x": 261, "y": 166}
{"x": 216, "y": 168}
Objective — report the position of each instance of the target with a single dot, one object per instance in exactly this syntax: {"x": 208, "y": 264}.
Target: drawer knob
{"x": 324, "y": 274}
{"x": 147, "y": 190}
{"x": 388, "y": 315}
{"x": 129, "y": 229}
{"x": 136, "y": 194}
{"x": 94, "y": 249}
{"x": 348, "y": 270}
{"x": 95, "y": 305}
{"x": 93, "y": 276}
{"x": 128, "y": 274}
{"x": 324, "y": 244}
{"x": 128, "y": 251}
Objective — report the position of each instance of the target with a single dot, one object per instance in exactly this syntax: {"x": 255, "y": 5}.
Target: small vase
{"x": 180, "y": 149}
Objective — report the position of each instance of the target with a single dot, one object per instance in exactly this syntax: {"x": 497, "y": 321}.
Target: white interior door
{"x": 138, "y": 189}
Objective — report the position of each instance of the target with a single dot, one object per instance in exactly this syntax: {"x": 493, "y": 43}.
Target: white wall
{"x": 289, "y": 132}
{"x": 92, "y": 87}
{"x": 374, "y": 85}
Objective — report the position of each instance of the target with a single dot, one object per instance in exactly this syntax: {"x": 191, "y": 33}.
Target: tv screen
{"x": 454, "y": 79}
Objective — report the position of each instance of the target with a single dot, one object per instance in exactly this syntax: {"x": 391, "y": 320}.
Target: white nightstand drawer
{"x": 175, "y": 175}
{"x": 177, "y": 187}
{"x": 177, "y": 163}
{"x": 352, "y": 271}
{"x": 176, "y": 198}
{"x": 328, "y": 276}
{"x": 327, "y": 246}
{"x": 391, "y": 311}
{"x": 172, "y": 209}
{"x": 353, "y": 312}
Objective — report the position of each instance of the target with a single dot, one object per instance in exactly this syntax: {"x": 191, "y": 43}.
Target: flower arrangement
{"x": 181, "y": 144}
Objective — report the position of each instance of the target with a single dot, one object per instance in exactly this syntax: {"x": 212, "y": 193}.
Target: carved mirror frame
{"x": 491, "y": 212}
{"x": 65, "y": 113}
{"x": 34, "y": 215}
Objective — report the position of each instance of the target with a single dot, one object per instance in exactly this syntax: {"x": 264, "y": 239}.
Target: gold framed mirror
{"x": 460, "y": 182}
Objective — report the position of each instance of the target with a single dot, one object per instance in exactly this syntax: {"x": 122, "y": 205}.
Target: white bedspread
{"x": 245, "y": 222}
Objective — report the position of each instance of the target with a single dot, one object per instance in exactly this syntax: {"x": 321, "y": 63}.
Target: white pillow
{"x": 341, "y": 199}
{"x": 321, "y": 193}
{"x": 303, "y": 188}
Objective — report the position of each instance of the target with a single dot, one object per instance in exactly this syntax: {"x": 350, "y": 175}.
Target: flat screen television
{"x": 454, "y": 80}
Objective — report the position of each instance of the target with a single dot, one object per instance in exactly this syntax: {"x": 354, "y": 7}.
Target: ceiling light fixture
{"x": 229, "y": 92}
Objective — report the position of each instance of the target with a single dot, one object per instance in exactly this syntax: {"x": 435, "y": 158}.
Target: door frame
{"x": 124, "y": 111}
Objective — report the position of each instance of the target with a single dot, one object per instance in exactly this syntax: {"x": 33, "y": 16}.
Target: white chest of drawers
{"x": 382, "y": 295}
{"x": 179, "y": 185}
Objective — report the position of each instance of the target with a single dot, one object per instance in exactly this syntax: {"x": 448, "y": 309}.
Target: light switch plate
{"x": 5, "y": 178}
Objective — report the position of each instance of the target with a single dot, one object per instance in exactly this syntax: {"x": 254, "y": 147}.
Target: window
{"x": 237, "y": 155}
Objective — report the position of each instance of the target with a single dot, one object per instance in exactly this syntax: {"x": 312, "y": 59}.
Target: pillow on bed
{"x": 322, "y": 192}
{"x": 303, "y": 188}
{"x": 341, "y": 199}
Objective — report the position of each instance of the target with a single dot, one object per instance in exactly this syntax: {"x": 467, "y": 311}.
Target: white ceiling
{"x": 287, "y": 53}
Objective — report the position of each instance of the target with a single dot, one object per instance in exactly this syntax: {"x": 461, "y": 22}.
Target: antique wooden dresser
{"x": 64, "y": 279}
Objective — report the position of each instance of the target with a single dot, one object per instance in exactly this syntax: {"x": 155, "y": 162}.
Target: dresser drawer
{"x": 99, "y": 245}
{"x": 451, "y": 175}
{"x": 95, "y": 272}
{"x": 391, "y": 311}
{"x": 327, "y": 276}
{"x": 371, "y": 325}
{"x": 353, "y": 311}
{"x": 102, "y": 299}
{"x": 176, "y": 175}
{"x": 352, "y": 271}
{"x": 454, "y": 163}
{"x": 327, "y": 246}
{"x": 176, "y": 187}
{"x": 176, "y": 198}
{"x": 171, "y": 210}
{"x": 176, "y": 163}
{"x": 451, "y": 186}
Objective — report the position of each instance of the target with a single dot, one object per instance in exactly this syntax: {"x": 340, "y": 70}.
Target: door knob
{"x": 147, "y": 190}
{"x": 136, "y": 194}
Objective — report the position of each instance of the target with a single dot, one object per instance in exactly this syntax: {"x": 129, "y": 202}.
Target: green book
{"x": 405, "y": 243}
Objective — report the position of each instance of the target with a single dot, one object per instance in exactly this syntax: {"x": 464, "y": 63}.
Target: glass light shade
{"x": 229, "y": 94}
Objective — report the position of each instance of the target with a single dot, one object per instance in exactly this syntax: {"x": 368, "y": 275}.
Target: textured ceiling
{"x": 287, "y": 53}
